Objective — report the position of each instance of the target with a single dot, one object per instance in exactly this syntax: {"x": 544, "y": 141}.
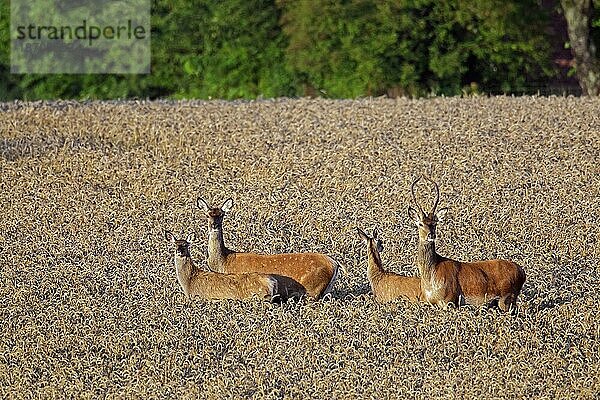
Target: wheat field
{"x": 91, "y": 307}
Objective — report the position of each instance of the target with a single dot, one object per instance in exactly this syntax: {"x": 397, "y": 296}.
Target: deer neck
{"x": 427, "y": 258}
{"x": 217, "y": 252}
{"x": 185, "y": 271}
{"x": 374, "y": 265}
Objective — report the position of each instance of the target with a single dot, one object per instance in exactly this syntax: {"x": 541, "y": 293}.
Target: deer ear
{"x": 361, "y": 234}
{"x": 226, "y": 207}
{"x": 414, "y": 215}
{"x": 202, "y": 204}
{"x": 169, "y": 236}
{"x": 440, "y": 215}
{"x": 375, "y": 233}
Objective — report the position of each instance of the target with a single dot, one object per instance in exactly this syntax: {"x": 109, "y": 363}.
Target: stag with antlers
{"x": 445, "y": 281}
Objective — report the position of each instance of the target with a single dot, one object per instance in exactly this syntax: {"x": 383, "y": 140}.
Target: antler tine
{"x": 412, "y": 190}
{"x": 437, "y": 195}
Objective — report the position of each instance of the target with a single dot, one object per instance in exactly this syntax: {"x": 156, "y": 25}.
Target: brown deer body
{"x": 387, "y": 286}
{"x": 444, "y": 280}
{"x": 213, "y": 285}
{"x": 315, "y": 272}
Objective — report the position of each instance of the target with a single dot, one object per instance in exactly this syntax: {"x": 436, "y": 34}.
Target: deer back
{"x": 391, "y": 286}
{"x": 214, "y": 285}
{"x": 476, "y": 283}
{"x": 313, "y": 271}
{"x": 484, "y": 280}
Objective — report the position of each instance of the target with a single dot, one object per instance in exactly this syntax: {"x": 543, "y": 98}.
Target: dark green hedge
{"x": 251, "y": 48}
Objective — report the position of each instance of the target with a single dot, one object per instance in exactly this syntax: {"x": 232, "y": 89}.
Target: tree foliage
{"x": 229, "y": 49}
{"x": 421, "y": 46}
{"x": 351, "y": 48}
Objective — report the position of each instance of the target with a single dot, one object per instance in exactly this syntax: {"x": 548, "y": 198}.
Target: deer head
{"x": 215, "y": 215}
{"x": 182, "y": 246}
{"x": 374, "y": 238}
{"x": 426, "y": 222}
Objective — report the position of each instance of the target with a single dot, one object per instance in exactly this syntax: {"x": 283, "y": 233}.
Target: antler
{"x": 437, "y": 195}
{"x": 412, "y": 190}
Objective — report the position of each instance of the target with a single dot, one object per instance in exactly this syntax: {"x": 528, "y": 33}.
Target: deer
{"x": 446, "y": 281}
{"x": 214, "y": 286}
{"x": 387, "y": 286}
{"x": 315, "y": 272}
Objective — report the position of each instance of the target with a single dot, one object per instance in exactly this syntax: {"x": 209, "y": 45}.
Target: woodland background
{"x": 344, "y": 49}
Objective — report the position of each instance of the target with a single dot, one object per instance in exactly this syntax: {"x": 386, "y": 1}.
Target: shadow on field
{"x": 564, "y": 282}
{"x": 531, "y": 297}
{"x": 355, "y": 291}
{"x": 547, "y": 299}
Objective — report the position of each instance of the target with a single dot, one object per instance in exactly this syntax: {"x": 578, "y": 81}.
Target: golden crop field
{"x": 91, "y": 307}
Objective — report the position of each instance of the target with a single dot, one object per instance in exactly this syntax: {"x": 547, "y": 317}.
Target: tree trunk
{"x": 578, "y": 14}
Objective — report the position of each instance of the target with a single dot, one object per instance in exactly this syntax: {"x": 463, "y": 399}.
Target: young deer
{"x": 387, "y": 286}
{"x": 444, "y": 280}
{"x": 213, "y": 285}
{"x": 315, "y": 272}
